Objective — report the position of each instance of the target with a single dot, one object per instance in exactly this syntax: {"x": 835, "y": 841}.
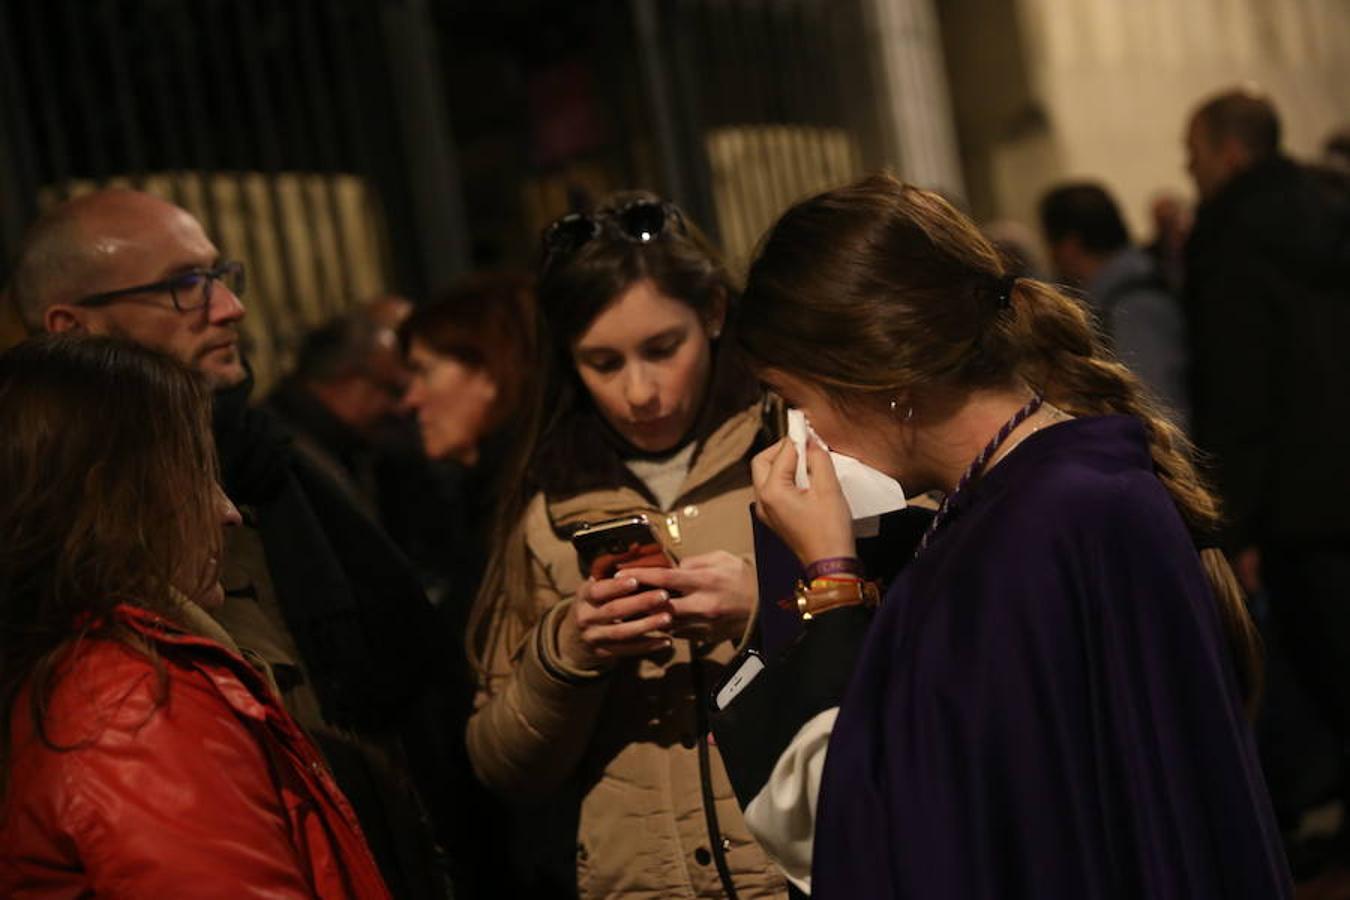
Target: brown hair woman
{"x": 591, "y": 687}
{"x": 1050, "y": 699}
{"x": 140, "y": 755}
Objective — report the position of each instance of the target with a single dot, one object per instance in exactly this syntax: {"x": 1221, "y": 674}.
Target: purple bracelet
{"x": 834, "y": 565}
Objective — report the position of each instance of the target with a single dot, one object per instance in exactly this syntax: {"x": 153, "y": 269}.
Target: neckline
{"x": 978, "y": 467}
{"x": 1116, "y": 440}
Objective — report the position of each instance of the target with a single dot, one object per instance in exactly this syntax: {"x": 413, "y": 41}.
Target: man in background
{"x": 1091, "y": 251}
{"x": 1268, "y": 305}
{"x": 339, "y": 398}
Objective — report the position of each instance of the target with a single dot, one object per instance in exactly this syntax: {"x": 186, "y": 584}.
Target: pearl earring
{"x": 895, "y": 410}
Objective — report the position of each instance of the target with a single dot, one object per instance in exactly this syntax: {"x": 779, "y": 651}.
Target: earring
{"x": 895, "y": 410}
{"x": 715, "y": 334}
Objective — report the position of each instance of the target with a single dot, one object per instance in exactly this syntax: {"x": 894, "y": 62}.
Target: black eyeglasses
{"x": 190, "y": 290}
{"x": 641, "y": 222}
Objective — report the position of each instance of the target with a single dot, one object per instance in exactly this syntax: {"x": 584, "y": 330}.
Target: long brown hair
{"x": 879, "y": 289}
{"x": 573, "y": 290}
{"x": 108, "y": 469}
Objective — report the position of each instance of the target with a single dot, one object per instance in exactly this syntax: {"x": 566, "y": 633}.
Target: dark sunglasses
{"x": 641, "y": 222}
{"x": 189, "y": 291}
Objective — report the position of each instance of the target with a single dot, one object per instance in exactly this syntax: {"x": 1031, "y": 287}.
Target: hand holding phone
{"x": 713, "y": 594}
{"x": 611, "y": 619}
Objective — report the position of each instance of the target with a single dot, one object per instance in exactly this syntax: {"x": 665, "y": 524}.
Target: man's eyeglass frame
{"x": 231, "y": 272}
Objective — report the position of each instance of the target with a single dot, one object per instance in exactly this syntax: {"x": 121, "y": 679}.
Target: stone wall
{"x": 1052, "y": 89}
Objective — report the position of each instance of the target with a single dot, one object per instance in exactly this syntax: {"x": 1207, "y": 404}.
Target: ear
{"x": 61, "y": 318}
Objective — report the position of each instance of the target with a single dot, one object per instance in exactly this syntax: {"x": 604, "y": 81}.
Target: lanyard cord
{"x": 977, "y": 466}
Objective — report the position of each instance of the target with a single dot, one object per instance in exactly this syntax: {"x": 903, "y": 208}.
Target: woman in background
{"x": 1051, "y": 700}
{"x": 470, "y": 355}
{"x": 592, "y": 688}
{"x": 140, "y": 755}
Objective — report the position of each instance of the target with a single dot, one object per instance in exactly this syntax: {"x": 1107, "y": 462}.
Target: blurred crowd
{"x": 335, "y": 640}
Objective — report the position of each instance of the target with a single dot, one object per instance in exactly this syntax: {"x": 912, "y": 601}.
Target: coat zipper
{"x": 673, "y": 527}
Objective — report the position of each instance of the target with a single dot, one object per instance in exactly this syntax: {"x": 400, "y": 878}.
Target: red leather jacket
{"x": 199, "y": 786}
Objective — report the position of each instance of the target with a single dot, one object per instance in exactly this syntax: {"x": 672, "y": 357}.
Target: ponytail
{"x": 877, "y": 287}
{"x": 1068, "y": 365}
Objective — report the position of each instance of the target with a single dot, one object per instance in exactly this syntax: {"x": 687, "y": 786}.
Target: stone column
{"x": 915, "y": 103}
{"x": 916, "y": 115}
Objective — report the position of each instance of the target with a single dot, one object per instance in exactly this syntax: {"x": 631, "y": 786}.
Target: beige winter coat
{"x": 629, "y": 738}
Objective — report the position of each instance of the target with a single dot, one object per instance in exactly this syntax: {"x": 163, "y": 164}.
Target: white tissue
{"x": 869, "y": 493}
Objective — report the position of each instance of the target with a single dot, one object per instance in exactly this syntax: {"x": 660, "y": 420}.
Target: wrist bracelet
{"x": 827, "y": 581}
{"x": 824, "y": 595}
{"x": 834, "y": 565}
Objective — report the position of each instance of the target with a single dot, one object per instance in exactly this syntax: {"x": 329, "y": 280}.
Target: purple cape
{"x": 1046, "y": 706}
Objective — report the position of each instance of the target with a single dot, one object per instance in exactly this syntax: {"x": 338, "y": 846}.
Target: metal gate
{"x": 282, "y": 124}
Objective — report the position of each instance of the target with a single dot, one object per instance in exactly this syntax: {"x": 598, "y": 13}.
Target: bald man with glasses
{"x": 129, "y": 264}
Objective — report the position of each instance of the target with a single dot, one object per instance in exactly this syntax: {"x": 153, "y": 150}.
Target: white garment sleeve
{"x": 782, "y": 816}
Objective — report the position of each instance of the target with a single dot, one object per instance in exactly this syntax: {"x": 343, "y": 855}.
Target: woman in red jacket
{"x": 140, "y": 754}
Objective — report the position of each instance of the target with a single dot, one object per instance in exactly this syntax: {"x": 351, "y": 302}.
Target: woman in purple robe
{"x": 1051, "y": 700}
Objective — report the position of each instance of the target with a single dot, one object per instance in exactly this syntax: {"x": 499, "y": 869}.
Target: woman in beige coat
{"x": 595, "y": 689}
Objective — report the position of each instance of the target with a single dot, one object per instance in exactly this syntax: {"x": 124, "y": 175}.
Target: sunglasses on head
{"x": 640, "y": 222}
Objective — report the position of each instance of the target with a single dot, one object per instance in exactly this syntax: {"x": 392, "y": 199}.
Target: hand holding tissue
{"x": 869, "y": 493}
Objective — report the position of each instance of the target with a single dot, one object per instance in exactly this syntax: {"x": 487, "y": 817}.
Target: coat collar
{"x": 728, "y": 445}
{"x": 213, "y": 653}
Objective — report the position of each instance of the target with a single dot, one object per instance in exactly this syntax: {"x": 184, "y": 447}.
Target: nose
{"x": 225, "y": 306}
{"x": 640, "y": 388}
{"x": 412, "y": 397}
{"x": 225, "y": 508}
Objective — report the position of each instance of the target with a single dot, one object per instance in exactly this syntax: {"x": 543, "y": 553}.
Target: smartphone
{"x": 604, "y": 548}
{"x": 743, "y": 670}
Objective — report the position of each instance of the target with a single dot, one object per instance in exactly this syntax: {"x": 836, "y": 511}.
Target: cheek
{"x": 688, "y": 374}
{"x": 150, "y": 328}
{"x": 458, "y": 403}
{"x": 840, "y": 439}
{"x": 606, "y": 393}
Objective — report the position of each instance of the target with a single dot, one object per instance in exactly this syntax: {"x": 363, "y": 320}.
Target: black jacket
{"x": 370, "y": 641}
{"x": 1268, "y": 303}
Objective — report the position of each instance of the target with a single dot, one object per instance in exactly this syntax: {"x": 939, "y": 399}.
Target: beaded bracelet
{"x": 834, "y": 565}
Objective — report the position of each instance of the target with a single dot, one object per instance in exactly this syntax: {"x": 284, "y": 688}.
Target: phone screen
{"x": 629, "y": 542}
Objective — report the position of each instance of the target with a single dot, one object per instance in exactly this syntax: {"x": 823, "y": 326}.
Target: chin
{"x": 213, "y": 598}
{"x": 649, "y": 443}
{"x": 443, "y": 451}
{"x": 225, "y": 375}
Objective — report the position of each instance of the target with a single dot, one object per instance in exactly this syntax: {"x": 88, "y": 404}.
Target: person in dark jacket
{"x": 312, "y": 584}
{"x": 141, "y": 755}
{"x": 340, "y": 401}
{"x": 1268, "y": 302}
{"x": 1122, "y": 283}
{"x": 1051, "y": 699}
